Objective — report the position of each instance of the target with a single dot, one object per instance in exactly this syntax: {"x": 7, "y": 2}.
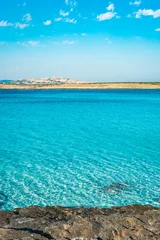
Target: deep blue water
{"x": 63, "y": 147}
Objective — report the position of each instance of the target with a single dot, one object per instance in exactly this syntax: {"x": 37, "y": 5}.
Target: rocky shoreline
{"x": 34, "y": 223}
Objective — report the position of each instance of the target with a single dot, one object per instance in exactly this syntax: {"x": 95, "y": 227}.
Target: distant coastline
{"x": 115, "y": 85}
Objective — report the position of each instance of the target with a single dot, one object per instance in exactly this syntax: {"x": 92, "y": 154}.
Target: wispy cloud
{"x": 27, "y": 17}
{"x": 21, "y": 25}
{"x": 157, "y": 29}
{"x": 136, "y": 3}
{"x": 65, "y": 42}
{"x": 82, "y": 34}
{"x": 29, "y": 43}
{"x": 68, "y": 20}
{"x": 47, "y": 23}
{"x": 63, "y": 13}
{"x": 71, "y": 4}
{"x": 24, "y": 4}
{"x": 58, "y": 19}
{"x": 33, "y": 43}
{"x": 147, "y": 12}
{"x": 107, "y": 15}
{"x": 68, "y": 42}
{"x": 5, "y": 24}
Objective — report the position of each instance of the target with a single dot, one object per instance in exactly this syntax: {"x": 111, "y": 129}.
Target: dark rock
{"x": 116, "y": 187}
{"x": 117, "y": 223}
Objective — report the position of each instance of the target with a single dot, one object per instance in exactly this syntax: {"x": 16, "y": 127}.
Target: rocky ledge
{"x": 33, "y": 223}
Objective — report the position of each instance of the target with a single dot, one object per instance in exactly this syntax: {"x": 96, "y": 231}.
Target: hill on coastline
{"x": 50, "y": 80}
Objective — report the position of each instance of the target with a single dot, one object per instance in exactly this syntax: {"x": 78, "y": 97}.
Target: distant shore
{"x": 123, "y": 85}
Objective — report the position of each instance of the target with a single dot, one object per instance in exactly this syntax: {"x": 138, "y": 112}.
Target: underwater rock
{"x": 115, "y": 187}
{"x": 3, "y": 199}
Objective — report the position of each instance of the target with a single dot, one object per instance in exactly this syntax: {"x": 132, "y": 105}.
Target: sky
{"x": 88, "y": 40}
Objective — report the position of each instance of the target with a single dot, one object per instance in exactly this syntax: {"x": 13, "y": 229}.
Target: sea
{"x": 88, "y": 148}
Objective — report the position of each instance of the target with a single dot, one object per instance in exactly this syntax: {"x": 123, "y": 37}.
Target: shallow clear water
{"x": 63, "y": 147}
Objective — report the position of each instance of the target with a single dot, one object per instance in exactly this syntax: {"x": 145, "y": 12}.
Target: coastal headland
{"x": 117, "y": 223}
{"x": 124, "y": 85}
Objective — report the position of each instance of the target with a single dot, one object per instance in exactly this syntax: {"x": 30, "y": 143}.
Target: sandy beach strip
{"x": 150, "y": 85}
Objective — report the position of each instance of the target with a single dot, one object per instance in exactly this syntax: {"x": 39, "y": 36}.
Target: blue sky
{"x": 89, "y": 40}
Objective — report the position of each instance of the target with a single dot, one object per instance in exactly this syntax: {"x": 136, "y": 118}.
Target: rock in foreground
{"x": 131, "y": 222}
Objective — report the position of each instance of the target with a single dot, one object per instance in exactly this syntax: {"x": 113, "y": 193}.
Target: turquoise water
{"x": 73, "y": 148}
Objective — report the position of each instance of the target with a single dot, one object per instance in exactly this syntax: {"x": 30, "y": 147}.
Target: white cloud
{"x": 110, "y": 7}
{"x": 147, "y": 12}
{"x": 57, "y": 19}
{"x": 5, "y": 24}
{"x": 108, "y": 15}
{"x": 27, "y": 18}
{"x": 157, "y": 29}
{"x": 64, "y": 14}
{"x": 68, "y": 20}
{"x": 69, "y": 42}
{"x": 84, "y": 34}
{"x": 24, "y": 4}
{"x": 47, "y": 23}
{"x": 21, "y": 25}
{"x": 136, "y": 3}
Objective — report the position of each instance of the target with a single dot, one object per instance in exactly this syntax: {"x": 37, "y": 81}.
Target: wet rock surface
{"x": 34, "y": 223}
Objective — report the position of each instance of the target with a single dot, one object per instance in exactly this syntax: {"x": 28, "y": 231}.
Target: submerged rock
{"x": 116, "y": 187}
{"x": 117, "y": 223}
